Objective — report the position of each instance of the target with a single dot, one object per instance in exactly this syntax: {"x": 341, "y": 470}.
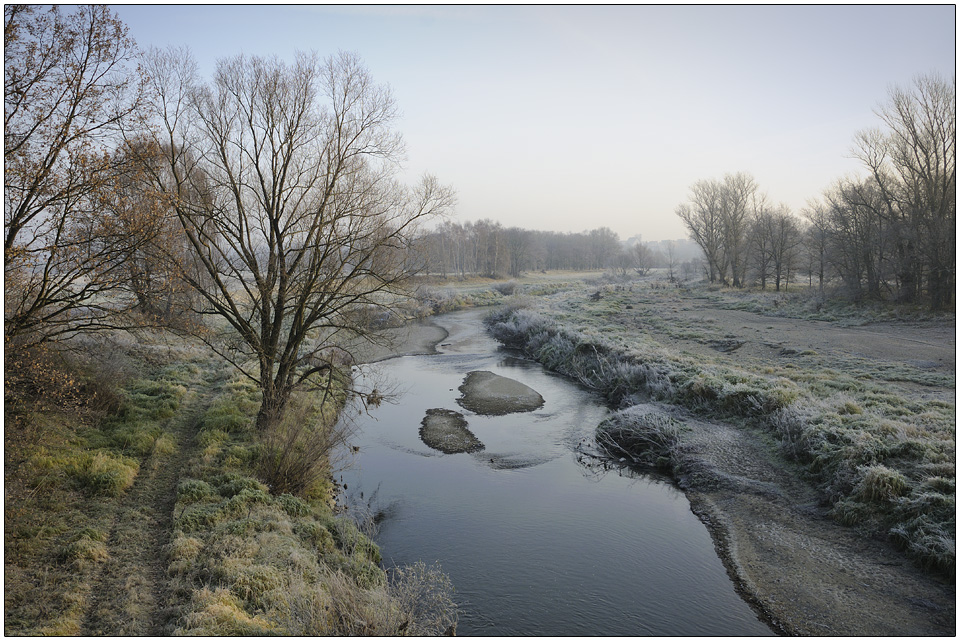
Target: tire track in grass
{"x": 132, "y": 596}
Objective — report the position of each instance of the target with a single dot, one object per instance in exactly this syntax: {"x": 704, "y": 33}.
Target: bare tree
{"x": 642, "y": 258}
{"x": 703, "y": 217}
{"x": 913, "y": 164}
{"x": 518, "y": 243}
{"x": 785, "y": 241}
{"x": 857, "y": 238}
{"x": 670, "y": 256}
{"x": 718, "y": 219}
{"x": 761, "y": 244}
{"x": 604, "y": 245}
{"x": 282, "y": 177}
{"x": 737, "y": 192}
{"x": 817, "y": 240}
{"x": 69, "y": 83}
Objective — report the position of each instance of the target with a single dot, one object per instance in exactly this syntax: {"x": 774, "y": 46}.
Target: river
{"x": 536, "y": 538}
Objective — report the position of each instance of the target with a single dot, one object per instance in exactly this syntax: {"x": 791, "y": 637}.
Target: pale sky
{"x": 569, "y": 118}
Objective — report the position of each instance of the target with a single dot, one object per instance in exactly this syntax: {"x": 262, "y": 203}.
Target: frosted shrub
{"x": 640, "y": 435}
{"x": 789, "y": 424}
{"x": 590, "y": 361}
{"x": 880, "y": 484}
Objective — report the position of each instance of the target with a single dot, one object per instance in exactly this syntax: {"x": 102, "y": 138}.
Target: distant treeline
{"x": 487, "y": 248}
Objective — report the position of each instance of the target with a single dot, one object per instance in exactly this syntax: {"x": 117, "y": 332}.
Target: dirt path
{"x": 132, "y": 596}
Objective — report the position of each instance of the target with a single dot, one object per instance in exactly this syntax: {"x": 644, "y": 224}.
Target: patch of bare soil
{"x": 491, "y": 394}
{"x": 771, "y": 341}
{"x": 409, "y": 340}
{"x": 446, "y": 431}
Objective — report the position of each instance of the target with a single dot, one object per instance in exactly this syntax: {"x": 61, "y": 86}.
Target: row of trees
{"x": 135, "y": 193}
{"x": 486, "y": 248}
{"x": 744, "y": 239}
{"x": 888, "y": 234}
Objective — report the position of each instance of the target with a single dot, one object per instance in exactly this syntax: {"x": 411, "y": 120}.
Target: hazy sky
{"x": 571, "y": 118}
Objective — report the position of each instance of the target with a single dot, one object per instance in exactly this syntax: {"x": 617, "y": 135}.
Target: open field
{"x": 816, "y": 440}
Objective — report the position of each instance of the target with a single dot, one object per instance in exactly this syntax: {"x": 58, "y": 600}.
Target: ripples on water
{"x": 535, "y": 541}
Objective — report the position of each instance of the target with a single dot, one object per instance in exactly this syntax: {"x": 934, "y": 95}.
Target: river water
{"x": 536, "y": 540}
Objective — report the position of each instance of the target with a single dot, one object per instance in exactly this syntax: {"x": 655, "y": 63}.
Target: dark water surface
{"x": 534, "y": 541}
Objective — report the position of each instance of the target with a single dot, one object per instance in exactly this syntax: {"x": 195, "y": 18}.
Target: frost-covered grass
{"x": 802, "y": 301}
{"x": 640, "y": 436}
{"x": 884, "y": 462}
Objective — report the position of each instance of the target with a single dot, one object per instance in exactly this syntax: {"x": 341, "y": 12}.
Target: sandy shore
{"x": 805, "y": 573}
{"x": 409, "y": 340}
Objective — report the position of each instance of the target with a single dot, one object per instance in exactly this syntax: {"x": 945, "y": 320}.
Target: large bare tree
{"x": 283, "y": 179}
{"x": 70, "y": 81}
{"x": 703, "y": 216}
{"x": 913, "y": 165}
{"x": 738, "y": 192}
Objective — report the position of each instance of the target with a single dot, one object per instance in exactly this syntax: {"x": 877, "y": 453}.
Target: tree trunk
{"x": 271, "y": 408}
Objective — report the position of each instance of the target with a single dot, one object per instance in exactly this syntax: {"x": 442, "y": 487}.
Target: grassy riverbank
{"x": 138, "y": 508}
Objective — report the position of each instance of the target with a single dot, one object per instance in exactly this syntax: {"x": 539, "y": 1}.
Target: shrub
{"x": 352, "y": 542}
{"x": 639, "y": 434}
{"x": 182, "y": 553}
{"x": 225, "y": 417}
{"x": 422, "y": 597}
{"x": 134, "y": 438}
{"x": 254, "y": 582}
{"x": 165, "y": 445}
{"x": 87, "y": 547}
{"x": 198, "y": 518}
{"x": 292, "y": 505}
{"x": 218, "y": 613}
{"x": 929, "y": 542}
{"x": 880, "y": 484}
{"x": 315, "y": 535}
{"x": 103, "y": 473}
{"x": 211, "y": 437}
{"x": 851, "y": 512}
{"x": 232, "y": 483}
{"x": 193, "y": 490}
{"x": 365, "y": 573}
{"x": 789, "y": 423}
{"x": 295, "y": 453}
